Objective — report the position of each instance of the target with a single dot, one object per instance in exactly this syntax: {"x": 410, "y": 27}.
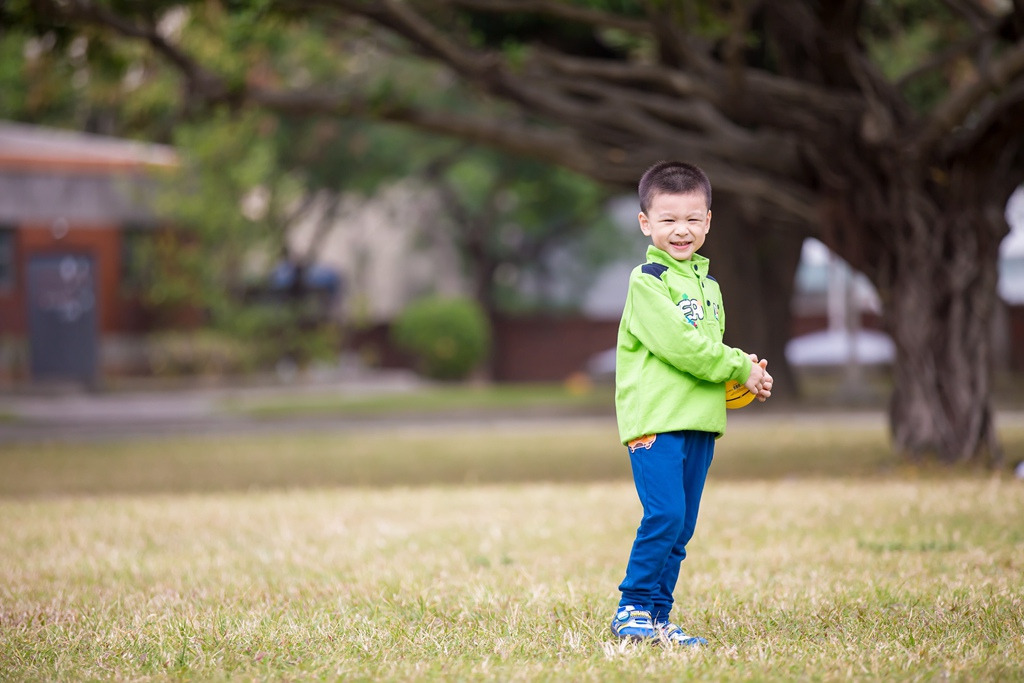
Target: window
{"x": 8, "y": 276}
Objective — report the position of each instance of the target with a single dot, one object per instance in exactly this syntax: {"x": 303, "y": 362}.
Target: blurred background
{"x": 216, "y": 209}
{"x": 307, "y": 323}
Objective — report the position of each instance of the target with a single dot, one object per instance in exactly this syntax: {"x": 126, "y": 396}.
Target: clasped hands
{"x": 760, "y": 382}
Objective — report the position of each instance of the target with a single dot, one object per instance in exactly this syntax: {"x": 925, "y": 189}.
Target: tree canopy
{"x": 508, "y": 217}
{"x": 889, "y": 129}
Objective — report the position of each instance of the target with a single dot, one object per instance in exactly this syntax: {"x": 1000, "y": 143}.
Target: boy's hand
{"x": 755, "y": 383}
{"x": 764, "y": 388}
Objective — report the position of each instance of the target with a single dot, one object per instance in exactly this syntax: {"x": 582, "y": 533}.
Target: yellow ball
{"x": 737, "y": 395}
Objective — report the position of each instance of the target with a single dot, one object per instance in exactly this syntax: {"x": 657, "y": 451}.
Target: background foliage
{"x": 448, "y": 337}
{"x": 513, "y": 220}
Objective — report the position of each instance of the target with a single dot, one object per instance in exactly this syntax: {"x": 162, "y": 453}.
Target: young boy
{"x": 671, "y": 366}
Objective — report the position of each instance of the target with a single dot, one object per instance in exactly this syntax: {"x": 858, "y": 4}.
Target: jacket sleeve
{"x": 662, "y": 328}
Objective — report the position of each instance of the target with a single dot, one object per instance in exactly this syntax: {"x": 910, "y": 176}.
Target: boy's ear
{"x": 707, "y": 228}
{"x": 645, "y": 225}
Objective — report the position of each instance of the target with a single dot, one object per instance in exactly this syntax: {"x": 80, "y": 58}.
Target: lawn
{"x": 816, "y": 558}
{"x": 565, "y": 399}
{"x": 418, "y": 454}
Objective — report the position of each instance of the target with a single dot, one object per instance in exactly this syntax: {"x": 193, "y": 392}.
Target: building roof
{"x": 24, "y": 146}
{"x": 47, "y": 174}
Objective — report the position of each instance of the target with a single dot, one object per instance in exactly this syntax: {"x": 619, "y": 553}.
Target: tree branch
{"x": 841, "y": 21}
{"x": 952, "y": 111}
{"x": 399, "y": 17}
{"x": 211, "y": 86}
{"x": 735, "y": 43}
{"x": 514, "y": 136}
{"x": 821, "y": 45}
{"x": 789, "y": 104}
{"x": 599, "y": 114}
{"x": 669, "y": 80}
{"x": 558, "y": 10}
{"x": 944, "y": 57}
{"x": 977, "y": 16}
{"x": 677, "y": 50}
{"x": 695, "y": 125}
{"x": 560, "y": 147}
{"x": 485, "y": 69}
{"x": 794, "y": 105}
{"x": 790, "y": 100}
{"x": 995, "y": 121}
{"x": 618, "y": 144}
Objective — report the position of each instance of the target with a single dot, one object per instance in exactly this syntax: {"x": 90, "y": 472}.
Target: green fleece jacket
{"x": 670, "y": 363}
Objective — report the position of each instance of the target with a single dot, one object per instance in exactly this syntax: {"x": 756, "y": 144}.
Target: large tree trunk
{"x": 755, "y": 265}
{"x": 938, "y": 283}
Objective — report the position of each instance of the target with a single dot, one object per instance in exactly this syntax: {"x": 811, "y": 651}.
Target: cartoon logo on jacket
{"x": 692, "y": 309}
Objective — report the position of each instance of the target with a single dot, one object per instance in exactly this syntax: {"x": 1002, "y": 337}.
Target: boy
{"x": 670, "y": 370}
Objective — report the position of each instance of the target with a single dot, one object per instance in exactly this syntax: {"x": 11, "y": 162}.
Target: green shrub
{"x": 283, "y": 330}
{"x": 448, "y": 337}
{"x": 203, "y": 352}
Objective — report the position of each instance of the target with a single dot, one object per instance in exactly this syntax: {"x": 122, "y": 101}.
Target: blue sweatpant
{"x": 669, "y": 473}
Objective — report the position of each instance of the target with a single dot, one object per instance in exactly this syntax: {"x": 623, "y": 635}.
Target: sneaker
{"x": 633, "y": 623}
{"x": 671, "y": 634}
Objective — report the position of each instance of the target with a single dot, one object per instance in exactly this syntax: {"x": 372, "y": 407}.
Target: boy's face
{"x": 677, "y": 223}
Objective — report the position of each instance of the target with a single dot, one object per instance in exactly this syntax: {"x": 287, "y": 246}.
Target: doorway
{"x": 62, "y": 318}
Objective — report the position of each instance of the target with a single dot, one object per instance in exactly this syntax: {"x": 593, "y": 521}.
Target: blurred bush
{"x": 448, "y": 337}
{"x": 201, "y": 352}
{"x": 294, "y": 331}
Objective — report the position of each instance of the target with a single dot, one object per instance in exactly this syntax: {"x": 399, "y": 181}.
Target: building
{"x": 388, "y": 249}
{"x": 72, "y": 206}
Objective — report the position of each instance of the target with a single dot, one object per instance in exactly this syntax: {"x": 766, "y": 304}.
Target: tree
{"x": 504, "y": 215}
{"x": 509, "y": 217}
{"x": 788, "y": 104}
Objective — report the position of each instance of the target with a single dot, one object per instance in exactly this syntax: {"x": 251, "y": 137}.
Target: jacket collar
{"x": 696, "y": 265}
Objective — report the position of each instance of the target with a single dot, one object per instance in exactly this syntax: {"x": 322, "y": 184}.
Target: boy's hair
{"x": 673, "y": 177}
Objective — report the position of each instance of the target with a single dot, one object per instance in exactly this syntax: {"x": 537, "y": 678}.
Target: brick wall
{"x": 542, "y": 349}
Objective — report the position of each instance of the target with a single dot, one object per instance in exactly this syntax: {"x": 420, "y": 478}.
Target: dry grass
{"x": 281, "y": 558}
{"x": 771, "y": 447}
{"x": 809, "y": 580}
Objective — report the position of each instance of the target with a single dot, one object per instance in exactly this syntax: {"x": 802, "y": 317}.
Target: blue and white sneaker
{"x": 633, "y": 623}
{"x": 670, "y": 634}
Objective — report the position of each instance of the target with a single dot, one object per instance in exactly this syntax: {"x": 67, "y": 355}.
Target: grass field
{"x": 315, "y": 558}
{"x": 444, "y": 399}
{"x": 425, "y": 454}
